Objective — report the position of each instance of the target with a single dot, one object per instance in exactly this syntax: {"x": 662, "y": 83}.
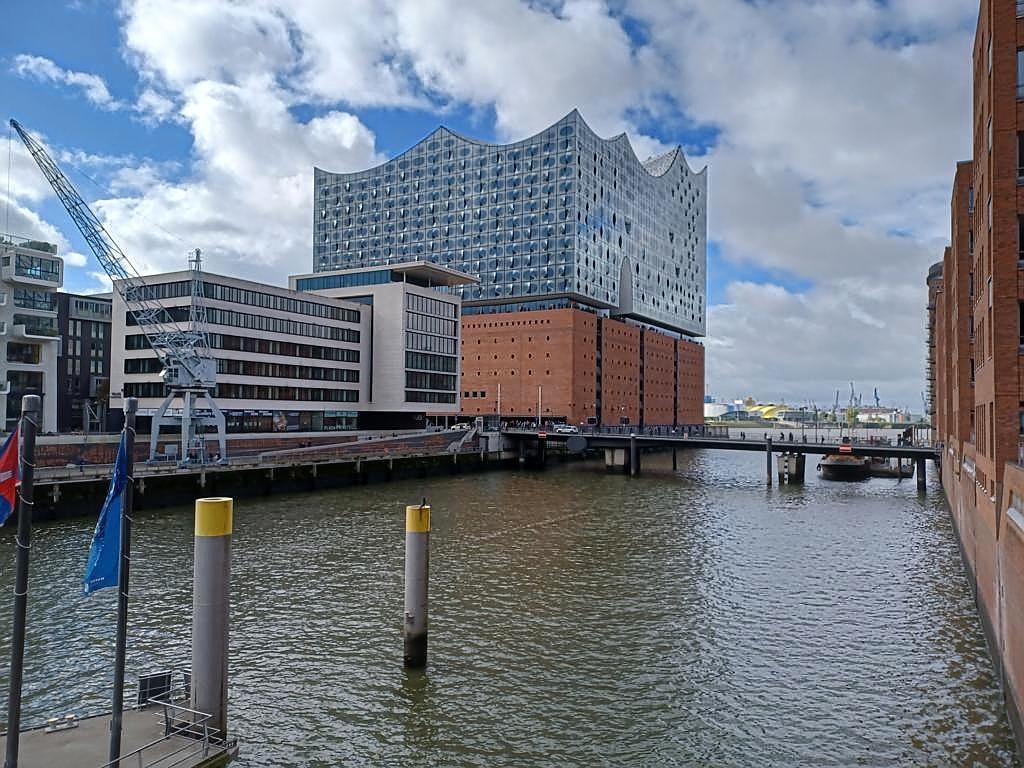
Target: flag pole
{"x": 117, "y": 703}
{"x": 31, "y": 406}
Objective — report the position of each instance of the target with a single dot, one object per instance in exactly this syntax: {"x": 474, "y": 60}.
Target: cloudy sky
{"x": 831, "y": 128}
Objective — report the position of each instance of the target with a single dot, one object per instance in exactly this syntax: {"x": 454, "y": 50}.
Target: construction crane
{"x": 189, "y": 370}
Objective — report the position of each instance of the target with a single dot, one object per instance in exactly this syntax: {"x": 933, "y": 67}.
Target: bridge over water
{"x": 624, "y": 450}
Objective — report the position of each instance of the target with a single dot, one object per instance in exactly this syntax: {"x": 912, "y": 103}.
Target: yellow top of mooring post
{"x": 417, "y": 518}
{"x": 213, "y": 516}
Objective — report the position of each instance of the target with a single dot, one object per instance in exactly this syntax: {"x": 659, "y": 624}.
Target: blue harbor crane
{"x": 189, "y": 370}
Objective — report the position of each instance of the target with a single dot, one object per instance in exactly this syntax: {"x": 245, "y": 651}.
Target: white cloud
{"x": 837, "y": 124}
{"x": 92, "y": 86}
{"x": 74, "y": 259}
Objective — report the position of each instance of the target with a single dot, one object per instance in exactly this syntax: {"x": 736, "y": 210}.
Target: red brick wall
{"x": 659, "y": 378}
{"x": 997, "y": 391}
{"x": 557, "y": 350}
{"x": 620, "y": 372}
{"x": 550, "y": 349}
{"x": 691, "y": 382}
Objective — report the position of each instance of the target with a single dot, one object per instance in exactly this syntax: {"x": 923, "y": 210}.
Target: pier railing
{"x": 198, "y": 740}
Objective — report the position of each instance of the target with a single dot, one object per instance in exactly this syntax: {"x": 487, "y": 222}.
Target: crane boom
{"x": 174, "y": 347}
{"x": 189, "y": 370}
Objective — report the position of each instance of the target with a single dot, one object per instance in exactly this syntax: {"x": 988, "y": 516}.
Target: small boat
{"x": 885, "y": 468}
{"x": 836, "y": 466}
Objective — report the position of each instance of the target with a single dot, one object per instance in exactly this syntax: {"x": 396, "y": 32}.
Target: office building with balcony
{"x": 30, "y": 272}
{"x": 567, "y": 233}
{"x": 83, "y": 361}
{"x": 976, "y": 306}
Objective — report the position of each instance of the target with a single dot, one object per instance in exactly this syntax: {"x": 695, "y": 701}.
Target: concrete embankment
{"x": 80, "y": 490}
{"x": 71, "y": 498}
{"x": 991, "y": 536}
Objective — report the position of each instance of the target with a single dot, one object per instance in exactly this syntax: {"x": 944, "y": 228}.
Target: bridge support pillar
{"x": 634, "y": 457}
{"x": 792, "y": 468}
{"x": 616, "y": 458}
{"x": 542, "y": 452}
{"x": 522, "y": 453}
{"x": 922, "y": 480}
{"x": 675, "y": 459}
{"x": 768, "y": 458}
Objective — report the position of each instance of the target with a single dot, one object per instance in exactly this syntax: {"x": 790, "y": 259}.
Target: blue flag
{"x": 105, "y": 554}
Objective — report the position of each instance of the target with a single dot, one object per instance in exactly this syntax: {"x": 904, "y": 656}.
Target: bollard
{"x": 31, "y": 410}
{"x": 768, "y": 454}
{"x": 210, "y": 611}
{"x": 417, "y": 571}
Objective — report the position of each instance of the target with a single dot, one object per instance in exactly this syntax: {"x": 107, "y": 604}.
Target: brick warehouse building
{"x": 977, "y": 299}
{"x": 591, "y": 266}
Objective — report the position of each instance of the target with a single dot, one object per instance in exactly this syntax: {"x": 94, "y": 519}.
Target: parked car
{"x": 567, "y": 429}
{"x": 461, "y": 426}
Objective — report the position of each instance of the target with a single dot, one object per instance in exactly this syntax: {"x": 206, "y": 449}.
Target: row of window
{"x": 428, "y": 324}
{"x": 216, "y": 316}
{"x": 425, "y": 362}
{"x": 26, "y": 298}
{"x": 414, "y": 396}
{"x": 252, "y": 392}
{"x": 37, "y": 325}
{"x": 439, "y": 381}
{"x": 354, "y": 280}
{"x": 421, "y": 342}
{"x": 261, "y": 347}
{"x": 428, "y": 306}
{"x": 93, "y": 307}
{"x": 244, "y": 296}
{"x": 37, "y": 267}
{"x": 255, "y": 368}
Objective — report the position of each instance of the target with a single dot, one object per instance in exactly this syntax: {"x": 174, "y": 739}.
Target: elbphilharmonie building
{"x": 562, "y": 222}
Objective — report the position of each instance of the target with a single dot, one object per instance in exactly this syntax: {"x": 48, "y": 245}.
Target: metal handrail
{"x": 197, "y": 728}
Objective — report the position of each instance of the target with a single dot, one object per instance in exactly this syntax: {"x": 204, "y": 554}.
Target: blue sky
{"x": 830, "y": 137}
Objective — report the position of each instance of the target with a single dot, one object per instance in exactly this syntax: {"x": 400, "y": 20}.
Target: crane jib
{"x": 189, "y": 368}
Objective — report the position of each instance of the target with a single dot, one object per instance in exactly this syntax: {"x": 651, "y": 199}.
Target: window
{"x": 1020, "y": 73}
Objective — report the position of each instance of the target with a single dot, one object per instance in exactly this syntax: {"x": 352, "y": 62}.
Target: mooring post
{"x": 634, "y": 459}
{"x": 210, "y": 611}
{"x": 31, "y": 409}
{"x": 922, "y": 484}
{"x": 768, "y": 458}
{"x": 417, "y": 571}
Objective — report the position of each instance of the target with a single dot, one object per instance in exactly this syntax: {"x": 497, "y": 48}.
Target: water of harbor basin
{"x": 578, "y": 618}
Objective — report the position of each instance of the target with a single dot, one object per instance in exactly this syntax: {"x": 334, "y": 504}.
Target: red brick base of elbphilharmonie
{"x": 578, "y": 367}
{"x": 991, "y": 534}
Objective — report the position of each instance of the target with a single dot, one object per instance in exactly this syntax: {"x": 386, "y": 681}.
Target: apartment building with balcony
{"x": 30, "y": 274}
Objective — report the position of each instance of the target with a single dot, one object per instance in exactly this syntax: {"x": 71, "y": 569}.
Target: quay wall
{"x": 74, "y": 498}
{"x": 990, "y": 531}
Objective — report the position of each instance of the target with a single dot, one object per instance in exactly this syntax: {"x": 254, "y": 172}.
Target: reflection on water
{"x": 577, "y": 618}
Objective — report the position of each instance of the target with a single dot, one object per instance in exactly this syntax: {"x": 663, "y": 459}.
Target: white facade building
{"x": 31, "y": 273}
{"x": 297, "y": 360}
{"x": 416, "y": 330}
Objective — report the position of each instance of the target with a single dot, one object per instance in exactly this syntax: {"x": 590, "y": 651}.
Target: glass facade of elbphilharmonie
{"x": 561, "y": 219}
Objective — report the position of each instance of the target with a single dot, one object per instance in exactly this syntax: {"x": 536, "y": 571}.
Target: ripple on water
{"x": 577, "y": 618}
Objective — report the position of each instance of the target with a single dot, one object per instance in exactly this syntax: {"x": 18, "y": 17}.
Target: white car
{"x": 567, "y": 429}
{"x": 461, "y": 426}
